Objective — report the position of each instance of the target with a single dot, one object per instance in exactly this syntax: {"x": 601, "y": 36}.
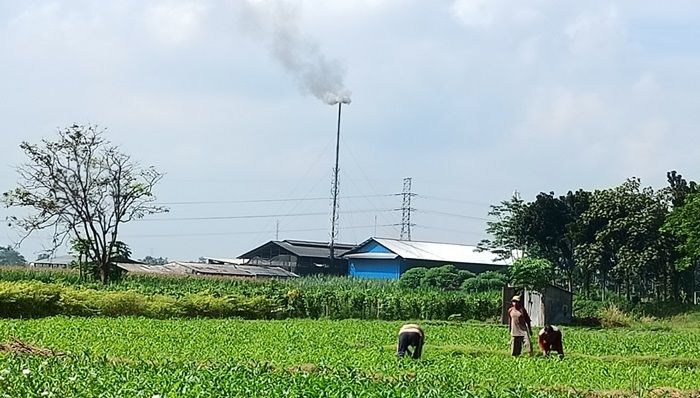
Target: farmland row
{"x": 207, "y": 358}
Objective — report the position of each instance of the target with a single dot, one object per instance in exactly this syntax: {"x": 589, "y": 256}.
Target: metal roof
{"x": 58, "y": 260}
{"x": 430, "y": 251}
{"x": 138, "y": 268}
{"x": 184, "y": 268}
{"x": 373, "y": 256}
{"x": 301, "y": 248}
{"x": 220, "y": 260}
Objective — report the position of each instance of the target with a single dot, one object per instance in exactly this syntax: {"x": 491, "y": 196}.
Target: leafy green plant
{"x": 412, "y": 278}
{"x": 531, "y": 273}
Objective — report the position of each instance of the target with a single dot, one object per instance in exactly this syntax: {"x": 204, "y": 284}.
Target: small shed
{"x": 553, "y": 307}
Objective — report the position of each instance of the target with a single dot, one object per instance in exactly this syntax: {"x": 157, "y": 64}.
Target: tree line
{"x": 637, "y": 242}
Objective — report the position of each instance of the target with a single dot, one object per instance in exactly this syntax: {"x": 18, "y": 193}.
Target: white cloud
{"x": 449, "y": 85}
{"x": 646, "y": 85}
{"x": 595, "y": 32}
{"x": 563, "y": 113}
{"x": 475, "y": 13}
{"x": 528, "y": 50}
{"x": 485, "y": 13}
{"x": 175, "y": 23}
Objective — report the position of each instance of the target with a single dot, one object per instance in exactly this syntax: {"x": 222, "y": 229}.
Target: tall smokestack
{"x": 334, "y": 216}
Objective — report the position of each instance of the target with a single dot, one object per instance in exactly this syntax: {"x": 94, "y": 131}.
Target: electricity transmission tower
{"x": 406, "y": 210}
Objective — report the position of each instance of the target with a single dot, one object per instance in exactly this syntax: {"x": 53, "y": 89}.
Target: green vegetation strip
{"x": 161, "y": 298}
{"x": 141, "y": 357}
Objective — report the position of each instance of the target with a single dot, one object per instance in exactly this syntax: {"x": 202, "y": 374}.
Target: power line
{"x": 212, "y": 202}
{"x": 468, "y": 202}
{"x": 452, "y": 214}
{"x": 450, "y": 230}
{"x": 244, "y": 232}
{"x": 251, "y": 216}
{"x": 367, "y": 180}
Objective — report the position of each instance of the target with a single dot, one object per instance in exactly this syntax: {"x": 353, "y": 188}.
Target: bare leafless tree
{"x": 82, "y": 187}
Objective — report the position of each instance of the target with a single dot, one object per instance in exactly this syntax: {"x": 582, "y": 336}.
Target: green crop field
{"x": 138, "y": 357}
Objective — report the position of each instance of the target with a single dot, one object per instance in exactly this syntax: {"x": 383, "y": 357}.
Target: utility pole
{"x": 406, "y": 210}
{"x": 334, "y": 212}
{"x": 277, "y": 229}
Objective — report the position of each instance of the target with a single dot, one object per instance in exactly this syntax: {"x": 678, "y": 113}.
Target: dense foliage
{"x": 137, "y": 357}
{"x": 531, "y": 273}
{"x": 10, "y": 256}
{"x": 26, "y": 293}
{"x": 485, "y": 282}
{"x": 446, "y": 277}
{"x": 630, "y": 240}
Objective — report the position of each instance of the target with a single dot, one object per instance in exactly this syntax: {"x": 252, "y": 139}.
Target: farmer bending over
{"x": 550, "y": 340}
{"x": 410, "y": 335}
{"x": 520, "y": 329}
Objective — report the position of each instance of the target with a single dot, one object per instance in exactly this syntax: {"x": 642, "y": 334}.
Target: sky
{"x": 472, "y": 99}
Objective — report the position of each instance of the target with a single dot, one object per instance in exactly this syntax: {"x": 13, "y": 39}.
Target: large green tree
{"x": 506, "y": 228}
{"x": 684, "y": 224}
{"x": 627, "y": 245}
{"x": 550, "y": 231}
{"x": 10, "y": 256}
{"x": 544, "y": 228}
{"x": 633, "y": 239}
{"x": 82, "y": 187}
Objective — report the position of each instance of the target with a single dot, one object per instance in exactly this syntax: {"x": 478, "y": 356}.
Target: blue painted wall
{"x": 373, "y": 247}
{"x": 392, "y": 269}
{"x": 375, "y": 269}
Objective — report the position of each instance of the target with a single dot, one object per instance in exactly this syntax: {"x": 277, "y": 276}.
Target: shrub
{"x": 612, "y": 316}
{"x": 29, "y": 299}
{"x": 485, "y": 282}
{"x": 337, "y": 298}
{"x": 494, "y": 275}
{"x": 476, "y": 285}
{"x": 445, "y": 277}
{"x": 412, "y": 278}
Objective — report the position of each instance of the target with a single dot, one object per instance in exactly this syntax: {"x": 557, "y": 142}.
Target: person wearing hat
{"x": 520, "y": 328}
{"x": 410, "y": 335}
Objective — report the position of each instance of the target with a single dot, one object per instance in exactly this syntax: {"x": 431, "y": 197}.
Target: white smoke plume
{"x": 278, "y": 21}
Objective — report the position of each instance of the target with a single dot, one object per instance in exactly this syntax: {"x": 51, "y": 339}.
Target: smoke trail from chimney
{"x": 298, "y": 54}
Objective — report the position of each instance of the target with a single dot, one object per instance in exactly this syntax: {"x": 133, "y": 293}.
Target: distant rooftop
{"x": 431, "y": 251}
{"x": 58, "y": 260}
{"x": 303, "y": 248}
{"x": 190, "y": 268}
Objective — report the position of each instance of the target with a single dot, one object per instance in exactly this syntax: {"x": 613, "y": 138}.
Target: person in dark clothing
{"x": 550, "y": 339}
{"x": 410, "y": 335}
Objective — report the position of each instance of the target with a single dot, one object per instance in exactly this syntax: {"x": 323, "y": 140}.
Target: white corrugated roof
{"x": 58, "y": 260}
{"x": 221, "y": 260}
{"x": 447, "y": 252}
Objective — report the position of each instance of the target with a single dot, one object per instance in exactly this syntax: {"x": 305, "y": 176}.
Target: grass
{"x": 210, "y": 358}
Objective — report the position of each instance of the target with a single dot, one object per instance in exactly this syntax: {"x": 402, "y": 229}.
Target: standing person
{"x": 520, "y": 329}
{"x": 550, "y": 339}
{"x": 410, "y": 335}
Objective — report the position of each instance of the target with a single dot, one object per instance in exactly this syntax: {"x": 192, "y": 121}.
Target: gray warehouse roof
{"x": 302, "y": 248}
